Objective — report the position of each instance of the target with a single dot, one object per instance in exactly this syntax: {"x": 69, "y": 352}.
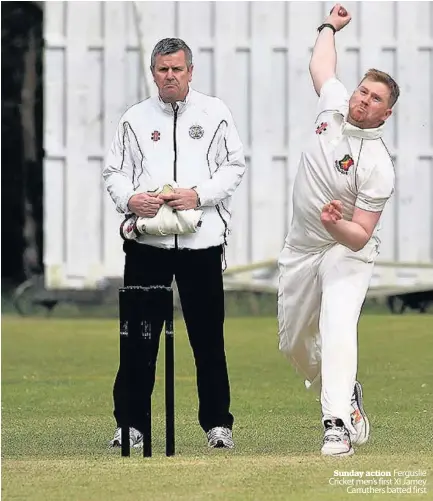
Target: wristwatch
{"x": 198, "y": 197}
{"x": 326, "y": 25}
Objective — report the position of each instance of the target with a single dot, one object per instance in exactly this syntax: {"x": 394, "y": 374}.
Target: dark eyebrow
{"x": 164, "y": 67}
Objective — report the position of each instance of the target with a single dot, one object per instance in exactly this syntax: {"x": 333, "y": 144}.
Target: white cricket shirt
{"x": 340, "y": 162}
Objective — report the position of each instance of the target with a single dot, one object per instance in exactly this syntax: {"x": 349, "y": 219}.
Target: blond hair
{"x": 380, "y": 76}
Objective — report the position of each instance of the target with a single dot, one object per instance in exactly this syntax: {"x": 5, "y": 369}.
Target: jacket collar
{"x": 182, "y": 105}
{"x": 351, "y": 130}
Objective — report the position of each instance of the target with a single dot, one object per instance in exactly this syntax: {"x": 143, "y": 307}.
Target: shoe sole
{"x": 116, "y": 443}
{"x": 358, "y": 398}
{"x": 340, "y": 454}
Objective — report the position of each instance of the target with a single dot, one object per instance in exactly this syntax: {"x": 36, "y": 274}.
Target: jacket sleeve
{"x": 230, "y": 161}
{"x": 122, "y": 164}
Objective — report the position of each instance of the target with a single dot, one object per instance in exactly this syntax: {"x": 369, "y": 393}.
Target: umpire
{"x": 185, "y": 139}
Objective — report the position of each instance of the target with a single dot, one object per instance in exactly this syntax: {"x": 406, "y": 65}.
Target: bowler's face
{"x": 369, "y": 105}
{"x": 172, "y": 76}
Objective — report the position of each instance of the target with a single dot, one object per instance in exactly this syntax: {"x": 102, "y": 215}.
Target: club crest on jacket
{"x": 196, "y": 131}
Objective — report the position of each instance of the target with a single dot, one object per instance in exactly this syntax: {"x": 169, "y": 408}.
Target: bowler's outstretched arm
{"x": 324, "y": 59}
{"x": 323, "y": 62}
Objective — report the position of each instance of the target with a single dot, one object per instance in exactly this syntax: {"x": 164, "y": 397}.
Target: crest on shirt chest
{"x": 343, "y": 166}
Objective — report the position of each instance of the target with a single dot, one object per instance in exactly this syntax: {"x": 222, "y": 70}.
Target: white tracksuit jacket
{"x": 196, "y": 146}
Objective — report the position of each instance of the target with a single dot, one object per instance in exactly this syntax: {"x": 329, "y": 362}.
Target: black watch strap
{"x": 198, "y": 197}
{"x": 326, "y": 25}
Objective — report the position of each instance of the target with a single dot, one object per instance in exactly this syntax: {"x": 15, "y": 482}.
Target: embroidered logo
{"x": 196, "y": 131}
{"x": 155, "y": 136}
{"x": 356, "y": 416}
{"x": 321, "y": 128}
{"x": 344, "y": 164}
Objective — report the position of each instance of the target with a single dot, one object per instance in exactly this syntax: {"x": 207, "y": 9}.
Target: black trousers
{"x": 199, "y": 281}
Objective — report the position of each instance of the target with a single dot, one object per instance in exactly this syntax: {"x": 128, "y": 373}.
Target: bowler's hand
{"x": 181, "y": 199}
{"x": 145, "y": 204}
{"x": 339, "y": 17}
{"x": 332, "y": 213}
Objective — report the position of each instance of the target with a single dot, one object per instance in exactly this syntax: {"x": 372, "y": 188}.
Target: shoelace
{"x": 219, "y": 432}
{"x": 133, "y": 433}
{"x": 333, "y": 434}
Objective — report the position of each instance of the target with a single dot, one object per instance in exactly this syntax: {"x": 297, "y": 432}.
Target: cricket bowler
{"x": 344, "y": 180}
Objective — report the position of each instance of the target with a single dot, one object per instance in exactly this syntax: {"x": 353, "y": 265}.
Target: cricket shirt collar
{"x": 351, "y": 130}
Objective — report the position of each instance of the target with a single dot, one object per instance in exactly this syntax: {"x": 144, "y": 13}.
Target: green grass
{"x": 57, "y": 380}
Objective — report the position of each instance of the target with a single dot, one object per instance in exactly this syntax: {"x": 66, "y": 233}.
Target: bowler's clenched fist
{"x": 339, "y": 17}
{"x": 332, "y": 212}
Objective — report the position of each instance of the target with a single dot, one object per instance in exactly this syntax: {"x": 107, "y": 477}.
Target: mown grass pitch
{"x": 57, "y": 380}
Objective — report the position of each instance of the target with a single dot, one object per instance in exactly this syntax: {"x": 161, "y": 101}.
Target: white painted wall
{"x": 253, "y": 55}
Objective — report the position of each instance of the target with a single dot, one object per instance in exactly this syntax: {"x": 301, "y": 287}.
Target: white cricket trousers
{"x": 320, "y": 296}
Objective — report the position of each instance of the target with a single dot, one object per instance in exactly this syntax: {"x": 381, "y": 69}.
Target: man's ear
{"x": 388, "y": 113}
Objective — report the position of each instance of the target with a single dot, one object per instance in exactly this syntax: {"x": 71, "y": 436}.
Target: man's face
{"x": 172, "y": 76}
{"x": 369, "y": 105}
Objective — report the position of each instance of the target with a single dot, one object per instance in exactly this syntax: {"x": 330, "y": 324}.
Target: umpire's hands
{"x": 181, "y": 199}
{"x": 145, "y": 204}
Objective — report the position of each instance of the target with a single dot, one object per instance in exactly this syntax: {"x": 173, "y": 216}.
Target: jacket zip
{"x": 175, "y": 109}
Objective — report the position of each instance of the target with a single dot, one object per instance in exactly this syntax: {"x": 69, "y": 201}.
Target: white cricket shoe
{"x": 359, "y": 417}
{"x": 135, "y": 438}
{"x": 336, "y": 441}
{"x": 220, "y": 438}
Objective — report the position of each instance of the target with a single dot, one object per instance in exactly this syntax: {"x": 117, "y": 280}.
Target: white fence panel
{"x": 254, "y": 56}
